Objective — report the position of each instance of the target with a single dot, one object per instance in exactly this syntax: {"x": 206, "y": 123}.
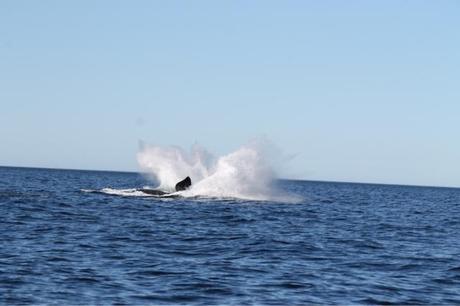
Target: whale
{"x": 184, "y": 184}
{"x": 180, "y": 186}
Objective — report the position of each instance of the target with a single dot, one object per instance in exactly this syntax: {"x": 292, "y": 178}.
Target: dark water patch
{"x": 156, "y": 273}
{"x": 455, "y": 269}
{"x": 374, "y": 301}
{"x": 82, "y": 279}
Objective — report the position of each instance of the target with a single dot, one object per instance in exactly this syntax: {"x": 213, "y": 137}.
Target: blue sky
{"x": 363, "y": 91}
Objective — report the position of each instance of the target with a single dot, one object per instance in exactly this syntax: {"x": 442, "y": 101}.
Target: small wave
{"x": 455, "y": 269}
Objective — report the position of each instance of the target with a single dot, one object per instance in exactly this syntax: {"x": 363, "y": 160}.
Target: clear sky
{"x": 365, "y": 91}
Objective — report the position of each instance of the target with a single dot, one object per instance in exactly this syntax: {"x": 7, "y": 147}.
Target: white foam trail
{"x": 129, "y": 192}
{"x": 245, "y": 173}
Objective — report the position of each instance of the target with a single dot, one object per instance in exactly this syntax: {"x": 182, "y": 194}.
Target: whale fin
{"x": 184, "y": 184}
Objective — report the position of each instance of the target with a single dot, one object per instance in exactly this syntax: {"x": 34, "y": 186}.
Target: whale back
{"x": 184, "y": 184}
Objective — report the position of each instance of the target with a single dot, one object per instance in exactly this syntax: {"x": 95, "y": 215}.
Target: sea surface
{"x": 61, "y": 244}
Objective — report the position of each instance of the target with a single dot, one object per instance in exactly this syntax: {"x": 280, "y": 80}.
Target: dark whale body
{"x": 182, "y": 185}
{"x": 153, "y": 192}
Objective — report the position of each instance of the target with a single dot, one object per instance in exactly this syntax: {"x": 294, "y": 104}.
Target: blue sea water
{"x": 342, "y": 244}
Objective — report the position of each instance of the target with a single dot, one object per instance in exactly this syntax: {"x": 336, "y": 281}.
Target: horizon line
{"x": 289, "y": 179}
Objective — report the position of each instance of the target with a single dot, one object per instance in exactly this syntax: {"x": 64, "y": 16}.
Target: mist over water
{"x": 246, "y": 173}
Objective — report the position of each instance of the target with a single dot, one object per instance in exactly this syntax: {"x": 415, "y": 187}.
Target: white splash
{"x": 245, "y": 173}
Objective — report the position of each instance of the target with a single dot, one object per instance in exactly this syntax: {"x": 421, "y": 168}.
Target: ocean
{"x": 72, "y": 237}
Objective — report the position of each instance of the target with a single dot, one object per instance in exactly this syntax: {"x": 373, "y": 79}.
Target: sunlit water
{"x": 343, "y": 243}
